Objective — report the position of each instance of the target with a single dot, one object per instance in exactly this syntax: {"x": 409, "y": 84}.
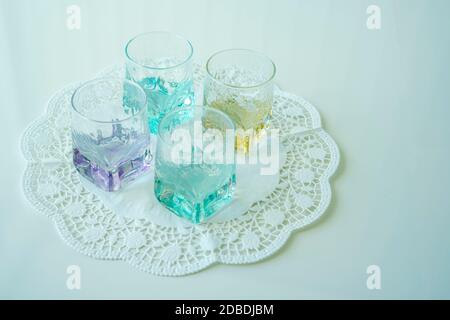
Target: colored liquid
{"x": 253, "y": 116}
{"x": 163, "y": 96}
{"x": 195, "y": 192}
{"x": 111, "y": 162}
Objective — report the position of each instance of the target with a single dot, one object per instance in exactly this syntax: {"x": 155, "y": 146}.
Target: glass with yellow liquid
{"x": 239, "y": 82}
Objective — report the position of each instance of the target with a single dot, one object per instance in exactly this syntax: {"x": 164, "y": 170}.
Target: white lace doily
{"x": 87, "y": 222}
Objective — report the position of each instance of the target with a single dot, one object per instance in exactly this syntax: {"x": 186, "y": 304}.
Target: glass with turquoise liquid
{"x": 195, "y": 172}
{"x": 161, "y": 63}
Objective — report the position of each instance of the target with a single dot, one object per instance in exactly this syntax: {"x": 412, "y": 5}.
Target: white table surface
{"x": 383, "y": 95}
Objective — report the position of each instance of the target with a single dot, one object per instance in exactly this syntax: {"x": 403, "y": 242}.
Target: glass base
{"x": 244, "y": 141}
{"x": 194, "y": 211}
{"x": 164, "y": 96}
{"x": 111, "y": 180}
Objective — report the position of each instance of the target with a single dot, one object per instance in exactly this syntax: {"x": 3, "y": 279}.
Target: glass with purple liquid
{"x": 110, "y": 135}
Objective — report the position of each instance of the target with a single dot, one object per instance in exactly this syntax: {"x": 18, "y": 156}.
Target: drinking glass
{"x": 161, "y": 63}
{"x": 110, "y": 136}
{"x": 239, "y": 82}
{"x": 194, "y": 163}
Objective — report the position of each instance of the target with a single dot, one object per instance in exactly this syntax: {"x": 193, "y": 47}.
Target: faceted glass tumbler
{"x": 239, "y": 82}
{"x": 110, "y": 136}
{"x": 195, "y": 172}
{"x": 161, "y": 63}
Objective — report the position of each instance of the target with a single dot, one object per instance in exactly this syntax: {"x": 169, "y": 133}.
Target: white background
{"x": 383, "y": 95}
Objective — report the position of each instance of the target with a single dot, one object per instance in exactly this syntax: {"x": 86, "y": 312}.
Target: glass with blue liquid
{"x": 195, "y": 172}
{"x": 161, "y": 63}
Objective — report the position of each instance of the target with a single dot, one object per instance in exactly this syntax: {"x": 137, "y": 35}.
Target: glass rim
{"x": 92, "y": 81}
{"x": 195, "y": 107}
{"x": 175, "y": 35}
{"x": 272, "y": 76}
